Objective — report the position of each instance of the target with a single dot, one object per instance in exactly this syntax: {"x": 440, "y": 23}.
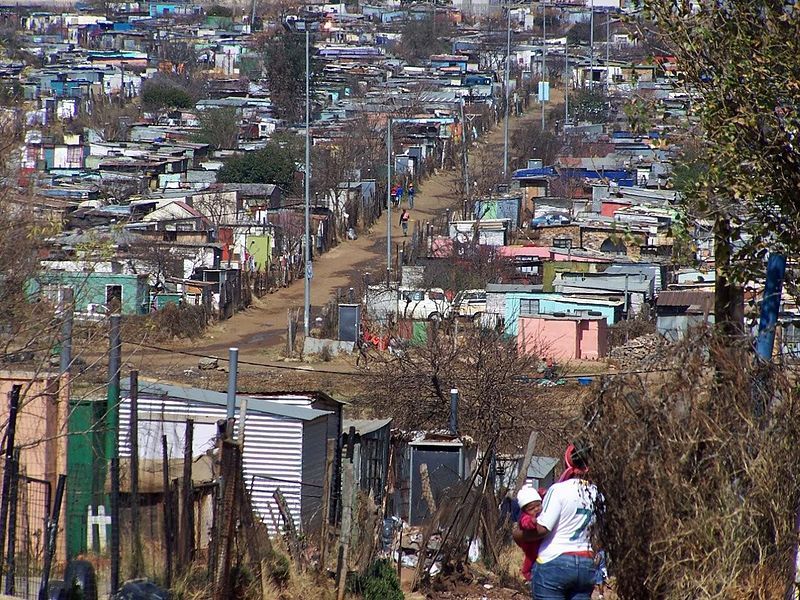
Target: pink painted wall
{"x": 592, "y": 339}
{"x": 551, "y": 338}
{"x": 512, "y": 251}
{"x": 563, "y": 339}
{"x": 41, "y": 431}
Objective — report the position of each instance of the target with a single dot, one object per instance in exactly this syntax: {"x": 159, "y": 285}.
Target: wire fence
{"x": 27, "y": 506}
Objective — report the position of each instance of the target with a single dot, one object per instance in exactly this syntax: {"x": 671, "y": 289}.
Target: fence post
{"x": 289, "y": 333}
{"x": 12, "y": 523}
{"x": 115, "y": 525}
{"x": 13, "y": 408}
{"x": 347, "y": 516}
{"x": 526, "y": 461}
{"x": 229, "y": 468}
{"x": 186, "y": 551}
{"x": 326, "y": 501}
{"x": 167, "y": 513}
{"x": 52, "y": 531}
{"x": 138, "y": 559}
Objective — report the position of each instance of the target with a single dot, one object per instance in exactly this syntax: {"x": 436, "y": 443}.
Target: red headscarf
{"x": 571, "y": 471}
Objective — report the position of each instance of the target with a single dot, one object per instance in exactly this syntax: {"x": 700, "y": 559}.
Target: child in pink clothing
{"x": 530, "y": 503}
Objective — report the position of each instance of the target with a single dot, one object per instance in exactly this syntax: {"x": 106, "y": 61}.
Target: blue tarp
{"x": 525, "y": 173}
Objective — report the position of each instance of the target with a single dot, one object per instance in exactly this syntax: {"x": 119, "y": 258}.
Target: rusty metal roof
{"x": 685, "y": 298}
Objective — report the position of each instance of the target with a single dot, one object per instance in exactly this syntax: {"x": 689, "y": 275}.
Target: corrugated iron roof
{"x": 257, "y": 405}
{"x": 364, "y": 426}
{"x": 685, "y": 298}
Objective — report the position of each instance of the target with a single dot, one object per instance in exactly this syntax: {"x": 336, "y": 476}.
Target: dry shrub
{"x": 181, "y": 321}
{"x": 171, "y": 321}
{"x": 700, "y": 494}
{"x": 413, "y": 387}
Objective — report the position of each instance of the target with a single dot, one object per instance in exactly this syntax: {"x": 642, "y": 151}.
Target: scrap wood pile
{"x": 466, "y": 527}
{"x": 639, "y": 349}
{"x": 697, "y": 463}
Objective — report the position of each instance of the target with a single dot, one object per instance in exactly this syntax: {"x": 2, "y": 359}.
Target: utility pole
{"x": 465, "y": 158}
{"x": 67, "y": 314}
{"x": 112, "y": 395}
{"x": 566, "y": 86}
{"x": 137, "y": 566}
{"x": 544, "y": 60}
{"x": 112, "y": 433}
{"x": 591, "y": 44}
{"x": 309, "y": 268}
{"x": 608, "y": 21}
{"x": 507, "y": 69}
{"x": 388, "y": 200}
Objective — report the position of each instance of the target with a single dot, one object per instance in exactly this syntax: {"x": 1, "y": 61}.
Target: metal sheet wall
{"x": 314, "y": 451}
{"x": 272, "y": 454}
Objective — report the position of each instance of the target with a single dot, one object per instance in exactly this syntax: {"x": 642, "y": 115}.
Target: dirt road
{"x": 260, "y": 331}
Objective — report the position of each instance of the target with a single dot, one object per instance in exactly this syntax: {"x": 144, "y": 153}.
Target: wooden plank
{"x": 347, "y": 524}
{"x": 326, "y": 502}
{"x": 526, "y": 461}
{"x": 288, "y": 523}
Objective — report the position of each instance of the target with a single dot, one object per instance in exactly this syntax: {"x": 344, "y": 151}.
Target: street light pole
{"x": 465, "y": 160}
{"x": 307, "y": 186}
{"x": 591, "y": 44}
{"x": 507, "y": 69}
{"x": 566, "y": 85}
{"x": 388, "y": 200}
{"x": 544, "y": 59}
{"x": 608, "y": 20}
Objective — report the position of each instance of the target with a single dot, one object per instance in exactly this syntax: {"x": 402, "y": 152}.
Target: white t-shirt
{"x": 568, "y": 512}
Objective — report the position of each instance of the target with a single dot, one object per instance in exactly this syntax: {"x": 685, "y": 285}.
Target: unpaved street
{"x": 260, "y": 331}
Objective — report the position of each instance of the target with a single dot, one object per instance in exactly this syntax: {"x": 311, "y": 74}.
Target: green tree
{"x": 589, "y": 105}
{"x": 739, "y": 61}
{"x": 689, "y": 169}
{"x": 160, "y": 95}
{"x": 638, "y": 113}
{"x": 219, "y": 11}
{"x": 219, "y": 128}
{"x": 272, "y": 164}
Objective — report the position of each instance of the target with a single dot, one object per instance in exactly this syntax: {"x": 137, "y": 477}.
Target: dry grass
{"x": 700, "y": 493}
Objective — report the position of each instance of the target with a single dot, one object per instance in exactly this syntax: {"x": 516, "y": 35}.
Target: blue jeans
{"x": 566, "y": 577}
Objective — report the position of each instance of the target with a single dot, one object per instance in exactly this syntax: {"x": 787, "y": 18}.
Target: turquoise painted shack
{"x": 130, "y": 292}
{"x": 551, "y": 303}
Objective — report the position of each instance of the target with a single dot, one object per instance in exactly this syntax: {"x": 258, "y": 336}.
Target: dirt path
{"x": 260, "y": 331}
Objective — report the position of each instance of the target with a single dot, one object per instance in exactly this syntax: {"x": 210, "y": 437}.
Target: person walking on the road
{"x": 404, "y": 217}
{"x": 410, "y": 193}
{"x": 565, "y": 567}
{"x": 398, "y": 195}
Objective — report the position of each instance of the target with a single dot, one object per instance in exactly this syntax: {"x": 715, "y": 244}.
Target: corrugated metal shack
{"x": 428, "y": 458}
{"x": 285, "y": 443}
{"x": 370, "y": 454}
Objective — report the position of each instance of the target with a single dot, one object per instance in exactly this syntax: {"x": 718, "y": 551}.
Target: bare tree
{"x": 413, "y": 386}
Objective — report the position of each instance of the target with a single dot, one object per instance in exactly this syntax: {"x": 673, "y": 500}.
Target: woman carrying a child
{"x": 565, "y": 567}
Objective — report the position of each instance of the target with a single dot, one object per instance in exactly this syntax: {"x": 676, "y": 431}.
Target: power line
{"x": 533, "y": 379}
{"x": 252, "y": 363}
